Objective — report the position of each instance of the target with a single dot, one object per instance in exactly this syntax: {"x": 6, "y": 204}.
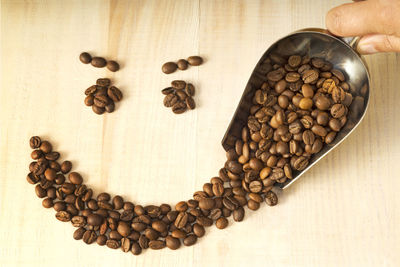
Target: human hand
{"x": 376, "y": 21}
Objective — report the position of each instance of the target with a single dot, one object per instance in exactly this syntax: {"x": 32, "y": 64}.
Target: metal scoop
{"x": 314, "y": 43}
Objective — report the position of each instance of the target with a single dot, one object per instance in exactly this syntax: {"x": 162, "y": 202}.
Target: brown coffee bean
{"x": 179, "y": 107}
{"x": 40, "y": 192}
{"x": 110, "y": 107}
{"x": 89, "y": 236}
{"x": 75, "y": 178}
{"x": 253, "y": 205}
{"x": 50, "y": 174}
{"x": 181, "y": 94}
{"x": 256, "y": 164}
{"x": 114, "y": 93}
{"x": 181, "y": 220}
{"x": 101, "y": 101}
{"x": 322, "y": 102}
{"x": 230, "y": 203}
{"x": 238, "y": 214}
{"x": 169, "y": 67}
{"x": 182, "y": 64}
{"x": 35, "y": 142}
{"x": 94, "y": 219}
{"x": 190, "y": 240}
{"x": 111, "y": 243}
{"x": 63, "y": 216}
{"x": 206, "y": 203}
{"x": 310, "y": 76}
{"x": 45, "y": 147}
{"x": 335, "y": 125}
{"x": 112, "y": 66}
{"x": 195, "y": 60}
{"x": 101, "y": 240}
{"x": 47, "y": 203}
{"x": 98, "y": 62}
{"x": 167, "y": 91}
{"x": 338, "y": 74}
{"x": 189, "y": 89}
{"x": 330, "y": 137}
{"x": 338, "y": 110}
{"x": 91, "y": 90}
{"x": 156, "y": 244}
{"x": 170, "y": 100}
{"x": 204, "y": 221}
{"x": 85, "y": 58}
{"x": 300, "y": 163}
{"x": 78, "y": 221}
{"x": 178, "y": 84}
{"x": 78, "y": 233}
{"x": 294, "y": 61}
{"x": 271, "y": 199}
{"x": 172, "y": 243}
{"x": 103, "y": 82}
{"x": 124, "y": 229}
{"x": 100, "y": 90}
{"x": 136, "y": 249}
{"x": 190, "y": 102}
{"x": 305, "y": 103}
{"x": 275, "y": 75}
{"x": 292, "y": 77}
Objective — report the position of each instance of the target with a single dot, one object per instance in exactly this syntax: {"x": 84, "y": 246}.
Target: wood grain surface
{"x": 344, "y": 212}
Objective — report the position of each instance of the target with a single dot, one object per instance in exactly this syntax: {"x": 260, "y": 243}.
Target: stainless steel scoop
{"x": 314, "y": 43}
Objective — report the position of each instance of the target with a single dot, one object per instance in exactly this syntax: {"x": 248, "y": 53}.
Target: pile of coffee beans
{"x": 98, "y": 62}
{"x": 300, "y": 107}
{"x": 182, "y": 64}
{"x": 102, "y": 96}
{"x": 117, "y": 223}
{"x": 179, "y": 96}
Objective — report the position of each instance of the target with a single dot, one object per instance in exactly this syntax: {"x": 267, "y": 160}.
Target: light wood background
{"x": 344, "y": 212}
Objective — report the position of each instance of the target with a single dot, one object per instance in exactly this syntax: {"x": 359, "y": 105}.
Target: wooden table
{"x": 344, "y": 212}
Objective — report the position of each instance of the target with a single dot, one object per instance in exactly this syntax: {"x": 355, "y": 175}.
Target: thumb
{"x": 375, "y": 43}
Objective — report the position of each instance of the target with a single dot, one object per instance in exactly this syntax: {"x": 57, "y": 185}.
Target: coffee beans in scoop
{"x": 179, "y": 96}
{"x": 102, "y": 96}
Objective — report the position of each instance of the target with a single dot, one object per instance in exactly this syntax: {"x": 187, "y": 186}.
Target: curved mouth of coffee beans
{"x": 300, "y": 108}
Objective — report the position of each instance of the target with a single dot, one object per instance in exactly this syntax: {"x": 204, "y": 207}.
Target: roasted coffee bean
{"x": 78, "y": 233}
{"x": 182, "y": 64}
{"x": 156, "y": 244}
{"x": 40, "y": 192}
{"x": 189, "y": 89}
{"x": 35, "y": 142}
{"x": 338, "y": 74}
{"x": 190, "y": 102}
{"x": 75, "y": 178}
{"x": 270, "y": 198}
{"x": 206, "y": 203}
{"x": 300, "y": 163}
{"x": 178, "y": 84}
{"x": 238, "y": 214}
{"x": 89, "y": 236}
{"x": 111, "y": 243}
{"x": 50, "y": 174}
{"x": 204, "y": 221}
{"x": 310, "y": 76}
{"x": 124, "y": 229}
{"x": 85, "y": 58}
{"x": 32, "y": 178}
{"x": 167, "y": 91}
{"x": 170, "y": 100}
{"x": 94, "y": 219}
{"x": 159, "y": 226}
{"x": 66, "y": 166}
{"x": 294, "y": 61}
{"x": 179, "y": 107}
{"x": 98, "y": 62}
{"x": 63, "y": 216}
{"x": 172, "y": 242}
{"x": 101, "y": 101}
{"x": 112, "y": 66}
{"x": 114, "y": 93}
{"x": 136, "y": 249}
{"x": 190, "y": 240}
{"x": 47, "y": 203}
{"x": 253, "y": 205}
{"x": 78, "y": 221}
{"x": 100, "y": 90}
{"x": 91, "y": 90}
{"x": 338, "y": 110}
{"x": 195, "y": 60}
{"x": 322, "y": 102}
{"x": 169, "y": 67}
{"x": 230, "y": 203}
{"x": 101, "y": 240}
{"x": 143, "y": 242}
{"x": 103, "y": 82}
{"x": 181, "y": 220}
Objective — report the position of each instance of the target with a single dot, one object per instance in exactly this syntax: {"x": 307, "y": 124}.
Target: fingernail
{"x": 367, "y": 45}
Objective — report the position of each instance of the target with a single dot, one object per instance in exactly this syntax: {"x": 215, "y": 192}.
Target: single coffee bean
{"x": 110, "y": 107}
{"x": 294, "y": 61}
{"x": 101, "y": 240}
{"x": 94, "y": 219}
{"x": 98, "y": 62}
{"x": 103, "y": 82}
{"x": 322, "y": 102}
{"x": 78, "y": 234}
{"x": 112, "y": 66}
{"x": 338, "y": 110}
{"x": 159, "y": 226}
{"x": 143, "y": 242}
{"x": 47, "y": 203}
{"x": 91, "y": 90}
{"x": 190, "y": 240}
{"x": 215, "y": 214}
{"x": 40, "y": 192}
{"x": 221, "y": 223}
{"x": 335, "y": 125}
{"x": 59, "y": 206}
{"x": 189, "y": 89}
{"x": 271, "y": 199}
{"x": 124, "y": 229}
{"x": 45, "y": 147}
{"x": 181, "y": 206}
{"x": 169, "y": 67}
{"x": 113, "y": 244}
{"x": 167, "y": 91}
{"x": 305, "y": 103}
{"x": 125, "y": 244}
{"x": 136, "y": 249}
{"x": 238, "y": 214}
{"x": 63, "y": 216}
{"x": 178, "y": 84}
{"x": 101, "y": 90}
{"x": 182, "y": 64}
{"x": 35, "y": 142}
{"x": 101, "y": 101}
{"x": 156, "y": 244}
{"x": 230, "y": 203}
{"x": 181, "y": 94}
{"x": 170, "y": 100}
{"x": 85, "y": 58}
{"x": 50, "y": 174}
{"x": 190, "y": 102}
{"x": 310, "y": 76}
{"x": 114, "y": 93}
{"x": 75, "y": 178}
{"x": 181, "y": 220}
{"x": 253, "y": 205}
{"x": 32, "y": 178}
{"x": 78, "y": 221}
{"x": 338, "y": 74}
{"x": 98, "y": 110}
{"x": 300, "y": 163}
{"x": 179, "y": 107}
{"x": 195, "y": 60}
{"x": 292, "y": 77}
{"x": 207, "y": 203}
{"x": 172, "y": 242}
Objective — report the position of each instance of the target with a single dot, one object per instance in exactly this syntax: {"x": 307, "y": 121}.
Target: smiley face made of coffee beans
{"x": 299, "y": 107}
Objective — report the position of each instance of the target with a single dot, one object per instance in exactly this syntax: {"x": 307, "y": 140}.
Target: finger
{"x": 357, "y": 19}
{"x": 375, "y": 43}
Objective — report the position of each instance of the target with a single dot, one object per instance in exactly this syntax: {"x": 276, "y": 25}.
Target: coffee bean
{"x": 101, "y": 101}
{"x": 91, "y": 90}
{"x": 103, "y": 82}
{"x": 98, "y": 110}
{"x": 156, "y": 244}
{"x": 322, "y": 102}
{"x": 253, "y": 205}
{"x": 182, "y": 64}
{"x": 78, "y": 221}
{"x": 207, "y": 203}
{"x": 294, "y": 61}
{"x": 338, "y": 74}
{"x": 85, "y": 58}
{"x": 63, "y": 216}
{"x": 169, "y": 67}
{"x": 190, "y": 102}
{"x": 181, "y": 219}
{"x": 32, "y": 178}
{"x": 179, "y": 107}
{"x": 35, "y": 142}
{"x": 143, "y": 242}
{"x": 113, "y": 244}
{"x": 189, "y": 89}
{"x": 292, "y": 77}
{"x": 114, "y": 93}
{"x": 45, "y": 147}
{"x": 300, "y": 163}
{"x": 221, "y": 223}
{"x": 136, "y": 249}
{"x": 98, "y": 62}
{"x": 181, "y": 94}
{"x": 124, "y": 229}
{"x": 94, "y": 219}
{"x": 195, "y": 60}
{"x": 112, "y": 66}
{"x": 310, "y": 76}
{"x": 172, "y": 243}
{"x": 167, "y": 91}
{"x": 170, "y": 100}
{"x": 100, "y": 90}
{"x": 110, "y": 107}
{"x": 40, "y": 192}
{"x": 78, "y": 234}
{"x": 190, "y": 240}
{"x": 101, "y": 240}
{"x": 306, "y": 103}
{"x": 47, "y": 203}
{"x": 75, "y": 178}
{"x": 178, "y": 84}
{"x": 238, "y": 214}
{"x": 230, "y": 203}
{"x": 271, "y": 199}
{"x": 338, "y": 110}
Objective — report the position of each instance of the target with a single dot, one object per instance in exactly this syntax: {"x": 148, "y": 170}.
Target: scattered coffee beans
{"x": 182, "y": 64}
{"x": 102, "y": 97}
{"x": 179, "y": 96}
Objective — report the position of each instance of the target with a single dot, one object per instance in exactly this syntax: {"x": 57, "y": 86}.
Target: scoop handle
{"x": 351, "y": 41}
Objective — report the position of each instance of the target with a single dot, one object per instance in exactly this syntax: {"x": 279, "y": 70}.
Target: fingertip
{"x": 334, "y": 21}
